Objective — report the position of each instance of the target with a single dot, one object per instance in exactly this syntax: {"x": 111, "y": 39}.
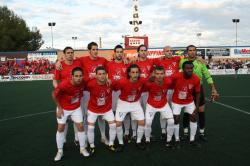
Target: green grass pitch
{"x": 30, "y": 140}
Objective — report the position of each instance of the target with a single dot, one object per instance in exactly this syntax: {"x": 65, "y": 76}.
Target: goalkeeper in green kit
{"x": 202, "y": 72}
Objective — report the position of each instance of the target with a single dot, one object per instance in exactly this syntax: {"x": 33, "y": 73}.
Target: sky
{"x": 165, "y": 22}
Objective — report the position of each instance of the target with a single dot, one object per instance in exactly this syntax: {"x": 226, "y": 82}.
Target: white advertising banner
{"x": 26, "y": 77}
{"x": 240, "y": 52}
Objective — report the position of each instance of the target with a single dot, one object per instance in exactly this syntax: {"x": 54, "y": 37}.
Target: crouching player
{"x": 157, "y": 102}
{"x": 185, "y": 84}
{"x": 67, "y": 97}
{"x": 128, "y": 102}
{"x": 100, "y": 104}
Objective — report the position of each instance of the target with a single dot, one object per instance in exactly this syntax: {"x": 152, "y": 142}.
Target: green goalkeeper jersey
{"x": 200, "y": 69}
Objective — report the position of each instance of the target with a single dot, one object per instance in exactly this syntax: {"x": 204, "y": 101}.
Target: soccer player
{"x": 67, "y": 97}
{"x": 202, "y": 72}
{"x": 146, "y": 68}
{"x": 116, "y": 71}
{"x": 157, "y": 102}
{"x": 65, "y": 73}
{"x": 185, "y": 84}
{"x": 89, "y": 65}
{"x": 100, "y": 104}
{"x": 171, "y": 66}
{"x": 128, "y": 102}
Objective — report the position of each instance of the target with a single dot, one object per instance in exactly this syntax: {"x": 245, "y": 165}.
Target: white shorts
{"x": 166, "y": 112}
{"x": 108, "y": 116}
{"x": 133, "y": 108}
{"x": 143, "y": 100}
{"x": 115, "y": 97}
{"x": 188, "y": 108}
{"x": 76, "y": 116}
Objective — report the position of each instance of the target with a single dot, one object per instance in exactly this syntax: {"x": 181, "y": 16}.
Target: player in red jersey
{"x": 146, "y": 68}
{"x": 67, "y": 65}
{"x": 128, "y": 102}
{"x": 157, "y": 102}
{"x": 65, "y": 73}
{"x": 100, "y": 104}
{"x": 89, "y": 64}
{"x": 116, "y": 71}
{"x": 171, "y": 65}
{"x": 67, "y": 97}
{"x": 185, "y": 84}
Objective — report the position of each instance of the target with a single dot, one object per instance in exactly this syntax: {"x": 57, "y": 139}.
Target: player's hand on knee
{"x": 59, "y": 113}
{"x": 214, "y": 95}
{"x": 195, "y": 113}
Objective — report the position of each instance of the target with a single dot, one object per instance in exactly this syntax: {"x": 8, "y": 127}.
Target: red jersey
{"x": 116, "y": 71}
{"x": 184, "y": 88}
{"x": 146, "y": 68}
{"x": 130, "y": 92}
{"x": 157, "y": 93}
{"x": 100, "y": 97}
{"x": 65, "y": 73}
{"x": 68, "y": 95}
{"x": 171, "y": 65}
{"x": 89, "y": 65}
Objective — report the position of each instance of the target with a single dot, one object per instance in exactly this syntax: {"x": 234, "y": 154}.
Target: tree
{"x": 15, "y": 35}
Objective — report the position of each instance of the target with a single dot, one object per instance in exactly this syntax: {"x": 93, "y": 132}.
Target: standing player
{"x": 171, "y": 66}
{"x": 117, "y": 71}
{"x": 67, "y": 97}
{"x": 60, "y": 75}
{"x": 146, "y": 68}
{"x": 100, "y": 104}
{"x": 184, "y": 84}
{"x": 89, "y": 65}
{"x": 202, "y": 72}
{"x": 157, "y": 102}
{"x": 128, "y": 102}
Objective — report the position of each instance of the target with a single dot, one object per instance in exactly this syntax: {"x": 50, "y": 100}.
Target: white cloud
{"x": 165, "y": 22}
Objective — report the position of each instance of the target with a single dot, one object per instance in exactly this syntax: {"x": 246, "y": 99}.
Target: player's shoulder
{"x": 195, "y": 77}
{"x": 82, "y": 58}
{"x": 92, "y": 82}
{"x": 177, "y": 58}
{"x": 64, "y": 84}
{"x": 102, "y": 59}
{"x": 200, "y": 61}
{"x": 168, "y": 80}
{"x": 77, "y": 61}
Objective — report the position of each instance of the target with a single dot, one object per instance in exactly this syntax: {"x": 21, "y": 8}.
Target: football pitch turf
{"x": 28, "y": 127}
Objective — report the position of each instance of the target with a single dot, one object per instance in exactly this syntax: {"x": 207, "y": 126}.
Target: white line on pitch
{"x": 231, "y": 107}
{"x": 24, "y": 116}
{"x": 235, "y": 96}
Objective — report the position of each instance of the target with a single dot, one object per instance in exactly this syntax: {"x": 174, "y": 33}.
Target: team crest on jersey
{"x": 108, "y": 90}
{"x": 174, "y": 63}
{"x": 102, "y": 94}
{"x": 93, "y": 69}
{"x": 133, "y": 92}
{"x": 190, "y": 86}
{"x": 124, "y": 70}
{"x": 148, "y": 67}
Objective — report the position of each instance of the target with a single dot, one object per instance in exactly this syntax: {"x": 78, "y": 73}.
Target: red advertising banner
{"x": 135, "y": 41}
